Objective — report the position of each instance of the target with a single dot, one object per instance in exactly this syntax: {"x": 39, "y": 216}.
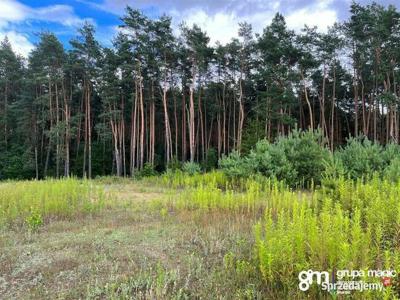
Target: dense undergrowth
{"x": 341, "y": 224}
{"x": 302, "y": 158}
{"x": 299, "y": 160}
{"x": 349, "y": 220}
{"x": 353, "y": 226}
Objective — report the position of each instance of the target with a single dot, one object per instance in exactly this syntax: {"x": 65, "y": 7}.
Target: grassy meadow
{"x": 203, "y": 236}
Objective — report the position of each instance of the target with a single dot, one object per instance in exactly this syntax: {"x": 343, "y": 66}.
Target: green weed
{"x": 34, "y": 201}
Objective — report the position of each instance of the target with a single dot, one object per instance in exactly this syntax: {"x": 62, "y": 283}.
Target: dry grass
{"x": 157, "y": 239}
{"x": 130, "y": 249}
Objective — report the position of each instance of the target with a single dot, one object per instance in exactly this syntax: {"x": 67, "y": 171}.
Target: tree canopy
{"x": 155, "y": 97}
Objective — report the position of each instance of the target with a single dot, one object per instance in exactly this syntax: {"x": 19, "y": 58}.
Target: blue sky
{"x": 21, "y": 20}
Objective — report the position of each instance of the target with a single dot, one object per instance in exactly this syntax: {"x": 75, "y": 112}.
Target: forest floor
{"x": 131, "y": 249}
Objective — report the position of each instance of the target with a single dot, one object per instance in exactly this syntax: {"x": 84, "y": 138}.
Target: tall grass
{"x": 48, "y": 198}
{"x": 254, "y": 197}
{"x": 348, "y": 225}
{"x": 214, "y": 191}
{"x": 180, "y": 179}
{"x": 343, "y": 224}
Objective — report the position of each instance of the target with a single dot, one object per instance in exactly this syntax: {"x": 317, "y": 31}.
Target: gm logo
{"x": 307, "y": 278}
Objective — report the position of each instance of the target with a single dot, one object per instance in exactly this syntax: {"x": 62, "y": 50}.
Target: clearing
{"x": 132, "y": 248}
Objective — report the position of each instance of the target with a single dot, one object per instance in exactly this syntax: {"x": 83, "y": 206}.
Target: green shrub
{"x": 191, "y": 168}
{"x": 235, "y": 166}
{"x": 390, "y": 152}
{"x": 147, "y": 171}
{"x": 297, "y": 159}
{"x": 306, "y": 151}
{"x": 392, "y": 172}
{"x": 333, "y": 168}
{"x": 271, "y": 160}
{"x": 361, "y": 158}
{"x": 174, "y": 165}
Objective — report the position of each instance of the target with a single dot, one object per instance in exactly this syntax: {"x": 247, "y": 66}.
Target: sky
{"x": 22, "y": 20}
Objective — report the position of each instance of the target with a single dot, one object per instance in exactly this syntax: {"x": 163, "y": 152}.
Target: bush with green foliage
{"x": 392, "y": 171}
{"x": 301, "y": 158}
{"x": 174, "y": 165}
{"x": 235, "y": 166}
{"x": 191, "y": 168}
{"x": 270, "y": 160}
{"x": 147, "y": 171}
{"x": 298, "y": 159}
{"x": 334, "y": 168}
{"x": 390, "y": 152}
{"x": 361, "y": 158}
{"x": 306, "y": 151}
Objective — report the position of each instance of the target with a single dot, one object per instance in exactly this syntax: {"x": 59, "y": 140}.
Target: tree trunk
{"x": 364, "y": 121}
{"x": 323, "y": 125}
{"x": 89, "y": 133}
{"x": 67, "y": 115}
{"x": 308, "y": 102}
{"x": 134, "y": 130}
{"x": 241, "y": 117}
{"x": 117, "y": 154}
{"x": 142, "y": 124}
{"x": 6, "y": 115}
{"x": 176, "y": 124}
{"x": 57, "y": 134}
{"x": 201, "y": 124}
{"x": 333, "y": 109}
{"x": 224, "y": 148}
{"x": 168, "y": 139}
{"x": 184, "y": 146}
{"x": 191, "y": 117}
{"x": 46, "y": 166}
{"x": 355, "y": 86}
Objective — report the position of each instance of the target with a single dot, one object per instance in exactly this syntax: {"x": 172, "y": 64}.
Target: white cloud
{"x": 13, "y": 12}
{"x": 220, "y": 18}
{"x": 322, "y": 19}
{"x": 19, "y": 42}
{"x": 319, "y": 15}
{"x": 62, "y": 14}
{"x": 221, "y": 26}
